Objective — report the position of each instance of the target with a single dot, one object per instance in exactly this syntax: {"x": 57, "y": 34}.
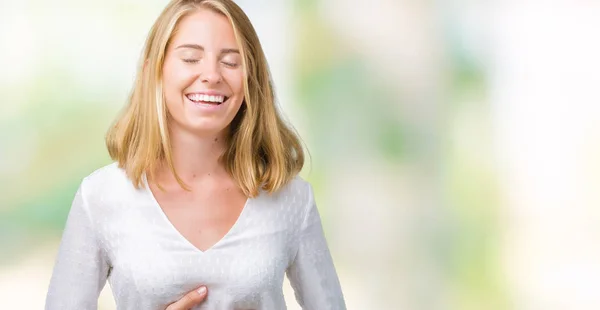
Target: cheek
{"x": 235, "y": 81}
{"x": 176, "y": 78}
{"x": 173, "y": 81}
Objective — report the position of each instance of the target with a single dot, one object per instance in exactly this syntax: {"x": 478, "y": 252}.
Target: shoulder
{"x": 296, "y": 196}
{"x": 288, "y": 207}
{"x": 104, "y": 175}
{"x": 297, "y": 189}
{"x": 110, "y": 180}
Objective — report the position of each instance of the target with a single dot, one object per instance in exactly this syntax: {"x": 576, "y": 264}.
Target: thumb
{"x": 190, "y": 299}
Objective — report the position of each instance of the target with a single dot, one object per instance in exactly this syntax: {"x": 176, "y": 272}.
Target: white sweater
{"x": 120, "y": 233}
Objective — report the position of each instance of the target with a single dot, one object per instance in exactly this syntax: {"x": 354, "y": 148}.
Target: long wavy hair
{"x": 263, "y": 152}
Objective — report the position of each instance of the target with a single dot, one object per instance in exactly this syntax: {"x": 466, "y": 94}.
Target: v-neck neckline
{"x": 165, "y": 218}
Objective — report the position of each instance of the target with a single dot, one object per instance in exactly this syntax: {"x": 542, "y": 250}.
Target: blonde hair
{"x": 262, "y": 150}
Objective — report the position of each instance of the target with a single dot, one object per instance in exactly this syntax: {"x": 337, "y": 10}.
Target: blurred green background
{"x": 454, "y": 144}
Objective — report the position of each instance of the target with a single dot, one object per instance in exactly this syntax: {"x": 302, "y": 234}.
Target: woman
{"x": 204, "y": 190}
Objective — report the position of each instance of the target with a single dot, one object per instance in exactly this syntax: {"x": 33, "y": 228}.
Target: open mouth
{"x": 207, "y": 99}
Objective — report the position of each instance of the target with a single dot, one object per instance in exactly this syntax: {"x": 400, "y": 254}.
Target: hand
{"x": 190, "y": 300}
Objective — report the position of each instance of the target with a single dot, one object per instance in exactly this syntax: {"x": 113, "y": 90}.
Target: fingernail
{"x": 202, "y": 290}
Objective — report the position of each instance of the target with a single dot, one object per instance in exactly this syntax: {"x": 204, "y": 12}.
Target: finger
{"x": 189, "y": 300}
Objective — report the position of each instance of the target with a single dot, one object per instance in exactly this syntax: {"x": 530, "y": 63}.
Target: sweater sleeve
{"x": 80, "y": 269}
{"x": 312, "y": 273}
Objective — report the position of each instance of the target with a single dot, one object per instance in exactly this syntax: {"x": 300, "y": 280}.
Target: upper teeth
{"x": 206, "y": 98}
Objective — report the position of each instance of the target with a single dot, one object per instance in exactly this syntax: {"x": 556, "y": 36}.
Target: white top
{"x": 120, "y": 233}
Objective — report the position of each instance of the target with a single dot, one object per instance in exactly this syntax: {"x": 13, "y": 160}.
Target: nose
{"x": 210, "y": 71}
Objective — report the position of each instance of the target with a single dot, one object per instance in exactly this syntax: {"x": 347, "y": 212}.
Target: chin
{"x": 205, "y": 128}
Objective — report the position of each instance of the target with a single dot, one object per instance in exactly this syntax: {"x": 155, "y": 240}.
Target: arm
{"x": 312, "y": 273}
{"x": 81, "y": 268}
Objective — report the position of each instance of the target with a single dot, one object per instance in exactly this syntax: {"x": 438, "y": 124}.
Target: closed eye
{"x": 191, "y": 61}
{"x": 230, "y": 64}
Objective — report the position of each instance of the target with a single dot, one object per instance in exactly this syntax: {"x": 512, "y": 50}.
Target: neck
{"x": 194, "y": 157}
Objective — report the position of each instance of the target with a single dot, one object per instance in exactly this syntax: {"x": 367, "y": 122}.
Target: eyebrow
{"x": 201, "y": 48}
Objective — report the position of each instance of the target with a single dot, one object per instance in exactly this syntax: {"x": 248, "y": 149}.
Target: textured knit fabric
{"x": 118, "y": 233}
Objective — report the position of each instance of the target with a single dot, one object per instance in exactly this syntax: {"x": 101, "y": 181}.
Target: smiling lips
{"x": 206, "y": 99}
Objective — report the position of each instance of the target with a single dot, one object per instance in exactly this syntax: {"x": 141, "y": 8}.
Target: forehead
{"x": 205, "y": 27}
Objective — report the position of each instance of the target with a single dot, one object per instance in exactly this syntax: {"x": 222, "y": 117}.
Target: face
{"x": 202, "y": 74}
